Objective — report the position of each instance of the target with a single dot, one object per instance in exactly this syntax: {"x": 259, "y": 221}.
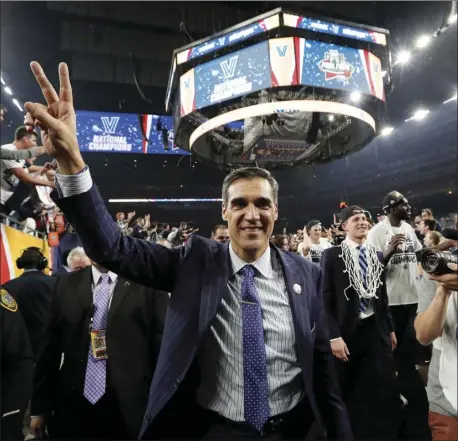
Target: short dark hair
{"x": 217, "y": 227}
{"x": 31, "y": 257}
{"x": 249, "y": 173}
{"x": 311, "y": 224}
{"x": 279, "y": 239}
{"x": 22, "y": 131}
{"x": 431, "y": 224}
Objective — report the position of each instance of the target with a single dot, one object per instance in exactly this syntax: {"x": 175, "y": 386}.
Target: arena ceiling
{"x": 104, "y": 42}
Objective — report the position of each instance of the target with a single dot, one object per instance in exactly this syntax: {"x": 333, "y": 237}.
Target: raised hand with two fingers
{"x": 57, "y": 120}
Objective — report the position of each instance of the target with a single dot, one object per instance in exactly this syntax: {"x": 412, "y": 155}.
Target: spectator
{"x": 427, "y": 213}
{"x": 165, "y": 231}
{"x": 317, "y": 243}
{"x": 164, "y": 243}
{"x": 427, "y": 225}
{"x": 432, "y": 239}
{"x": 15, "y": 172}
{"x": 153, "y": 235}
{"x": 140, "y": 230}
{"x": 281, "y": 241}
{"x": 77, "y": 260}
{"x": 436, "y": 324}
{"x": 220, "y": 233}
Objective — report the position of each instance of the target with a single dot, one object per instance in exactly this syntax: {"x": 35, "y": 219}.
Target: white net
{"x": 374, "y": 271}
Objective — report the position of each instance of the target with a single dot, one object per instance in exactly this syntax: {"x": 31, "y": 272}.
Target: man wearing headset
{"x": 33, "y": 291}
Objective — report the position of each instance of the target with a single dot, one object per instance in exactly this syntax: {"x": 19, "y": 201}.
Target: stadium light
{"x": 331, "y": 117}
{"x": 453, "y": 98}
{"x": 16, "y": 103}
{"x": 418, "y": 115}
{"x": 403, "y": 57}
{"x": 2, "y": 80}
{"x": 386, "y": 131}
{"x": 423, "y": 41}
{"x": 452, "y": 19}
{"x": 355, "y": 96}
{"x": 8, "y": 90}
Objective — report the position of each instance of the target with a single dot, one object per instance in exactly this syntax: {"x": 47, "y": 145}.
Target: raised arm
{"x": 140, "y": 261}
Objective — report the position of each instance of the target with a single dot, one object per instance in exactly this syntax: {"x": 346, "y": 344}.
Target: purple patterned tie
{"x": 256, "y": 389}
{"x": 95, "y": 382}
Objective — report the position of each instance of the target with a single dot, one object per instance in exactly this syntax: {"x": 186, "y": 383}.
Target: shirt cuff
{"x": 73, "y": 185}
{"x": 334, "y": 339}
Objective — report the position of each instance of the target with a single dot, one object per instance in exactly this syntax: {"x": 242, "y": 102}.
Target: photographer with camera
{"x": 436, "y": 324}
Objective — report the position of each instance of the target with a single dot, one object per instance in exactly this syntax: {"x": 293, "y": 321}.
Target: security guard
{"x": 33, "y": 291}
{"x": 16, "y": 368}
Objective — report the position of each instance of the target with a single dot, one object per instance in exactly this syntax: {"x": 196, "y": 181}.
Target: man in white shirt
{"x": 436, "y": 324}
{"x": 15, "y": 172}
{"x": 317, "y": 243}
{"x": 396, "y": 239}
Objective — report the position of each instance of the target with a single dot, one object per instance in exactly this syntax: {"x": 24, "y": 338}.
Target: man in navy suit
{"x": 246, "y": 317}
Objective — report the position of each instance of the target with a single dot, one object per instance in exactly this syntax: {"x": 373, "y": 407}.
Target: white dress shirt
{"x": 96, "y": 274}
{"x": 222, "y": 385}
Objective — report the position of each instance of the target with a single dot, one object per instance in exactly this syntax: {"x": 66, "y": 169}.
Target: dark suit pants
{"x": 79, "y": 419}
{"x": 368, "y": 383}
{"x": 294, "y": 425}
{"x": 409, "y": 353}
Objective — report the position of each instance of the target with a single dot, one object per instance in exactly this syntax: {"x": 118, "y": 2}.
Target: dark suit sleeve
{"x": 384, "y": 299}
{"x": 325, "y": 381}
{"x": 140, "y": 261}
{"x": 46, "y": 380}
{"x": 16, "y": 363}
{"x": 329, "y": 293}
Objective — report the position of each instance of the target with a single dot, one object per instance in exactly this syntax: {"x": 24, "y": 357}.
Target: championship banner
{"x": 337, "y": 67}
{"x": 239, "y": 73}
{"x": 125, "y": 133}
{"x": 12, "y": 243}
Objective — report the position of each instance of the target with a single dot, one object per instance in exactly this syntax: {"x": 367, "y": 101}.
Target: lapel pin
{"x": 126, "y": 283}
{"x": 297, "y": 288}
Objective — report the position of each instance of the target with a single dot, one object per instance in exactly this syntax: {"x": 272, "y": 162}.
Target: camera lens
{"x": 435, "y": 262}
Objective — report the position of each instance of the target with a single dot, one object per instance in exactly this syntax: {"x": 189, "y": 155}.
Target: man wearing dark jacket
{"x": 361, "y": 327}
{"x": 109, "y": 330}
{"x": 33, "y": 292}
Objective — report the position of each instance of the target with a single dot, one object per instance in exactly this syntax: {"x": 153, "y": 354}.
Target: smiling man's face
{"x": 251, "y": 213}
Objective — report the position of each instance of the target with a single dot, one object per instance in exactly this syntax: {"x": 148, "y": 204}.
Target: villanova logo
{"x": 110, "y": 123}
{"x": 282, "y": 50}
{"x": 335, "y": 29}
{"x": 228, "y": 67}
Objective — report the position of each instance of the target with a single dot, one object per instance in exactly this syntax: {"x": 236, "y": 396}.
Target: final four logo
{"x": 335, "y": 66}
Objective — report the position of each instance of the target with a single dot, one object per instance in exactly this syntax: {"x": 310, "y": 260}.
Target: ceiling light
{"x": 403, "y": 57}
{"x": 355, "y": 96}
{"x": 2, "y": 80}
{"x": 418, "y": 115}
{"x": 8, "y": 90}
{"x": 331, "y": 118}
{"x": 423, "y": 41}
{"x": 386, "y": 131}
{"x": 16, "y": 103}
{"x": 453, "y": 98}
{"x": 450, "y": 192}
{"x": 452, "y": 19}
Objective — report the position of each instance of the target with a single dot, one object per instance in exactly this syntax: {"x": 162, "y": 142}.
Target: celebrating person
{"x": 239, "y": 314}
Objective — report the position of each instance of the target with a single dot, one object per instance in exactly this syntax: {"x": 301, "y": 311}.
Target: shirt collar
{"x": 354, "y": 245}
{"x": 96, "y": 274}
{"x": 30, "y": 270}
{"x": 263, "y": 264}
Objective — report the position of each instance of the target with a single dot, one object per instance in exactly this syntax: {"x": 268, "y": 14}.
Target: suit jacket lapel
{"x": 214, "y": 285}
{"x": 295, "y": 279}
{"x": 121, "y": 289}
